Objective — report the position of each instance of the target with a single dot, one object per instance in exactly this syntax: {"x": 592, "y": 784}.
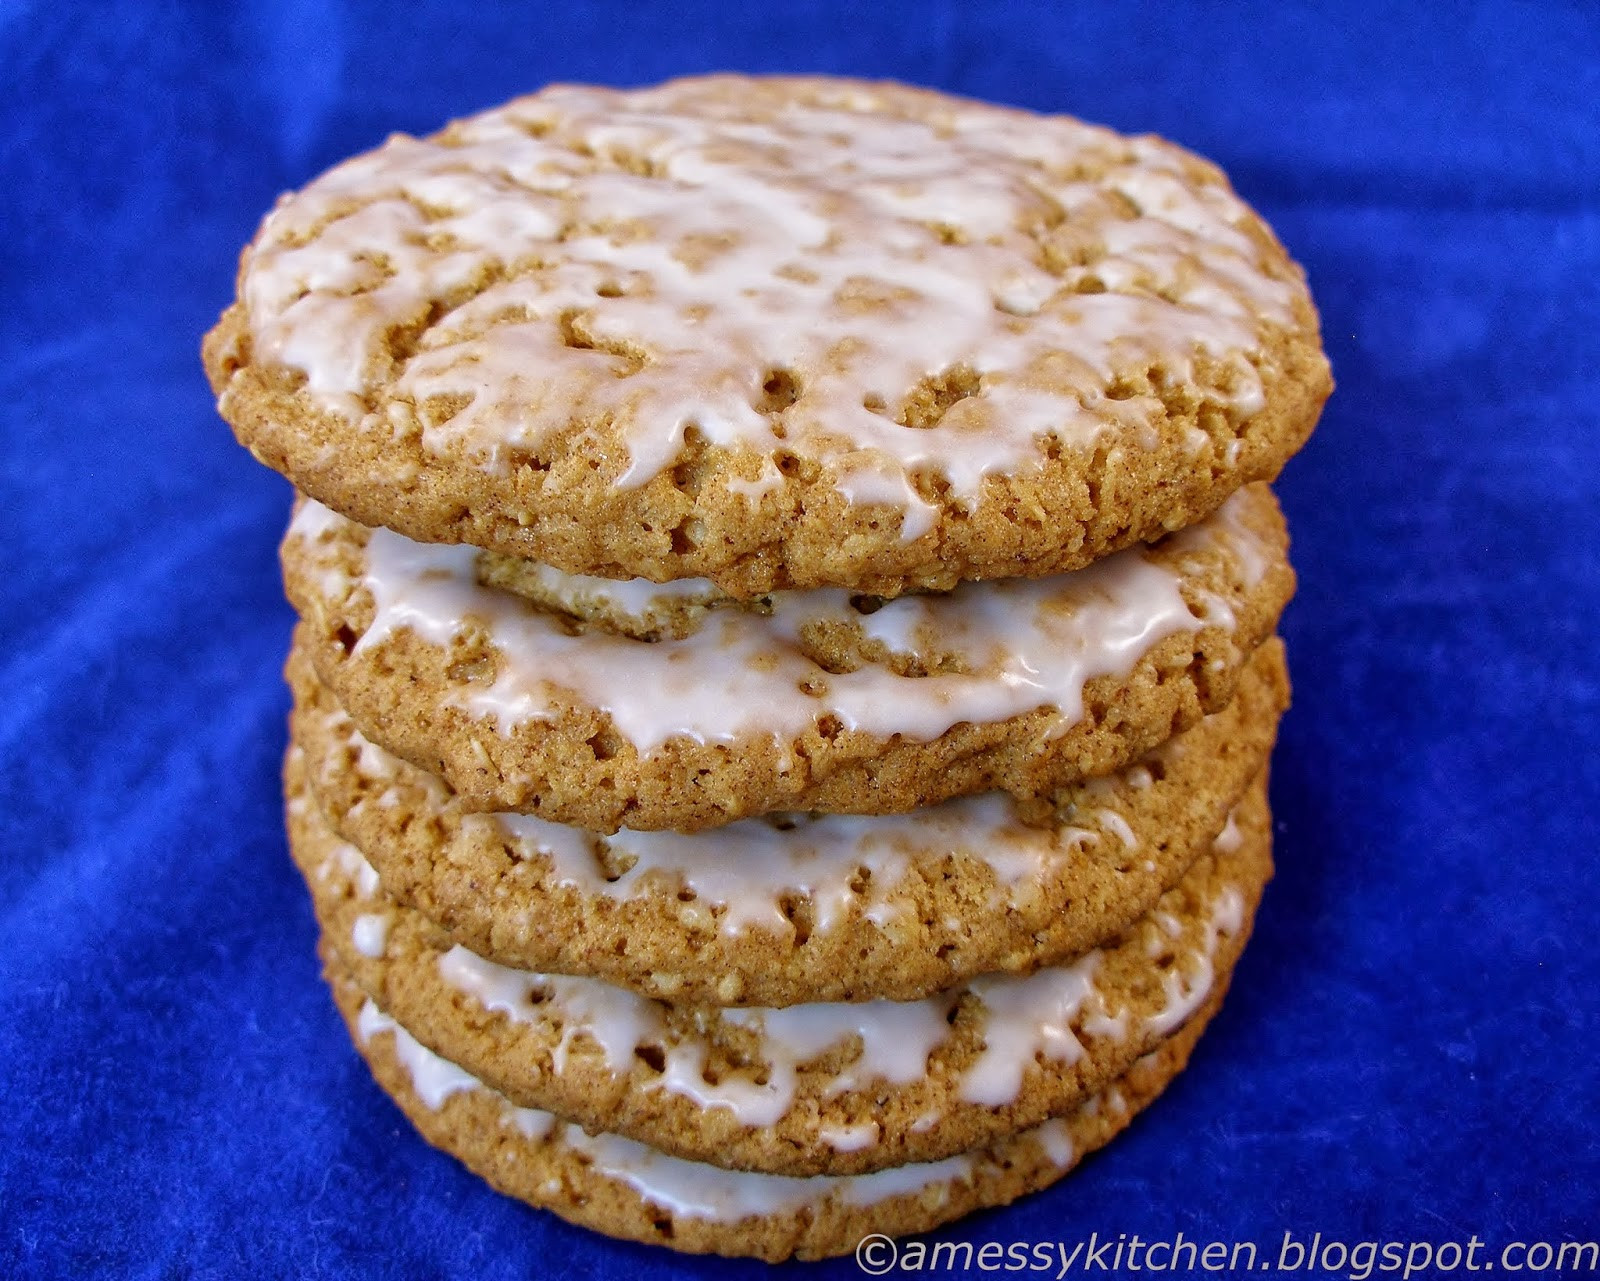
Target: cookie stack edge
{"x": 888, "y": 852}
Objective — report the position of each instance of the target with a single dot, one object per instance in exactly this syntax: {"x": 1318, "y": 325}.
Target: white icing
{"x": 433, "y": 1078}
{"x": 647, "y": 604}
{"x": 849, "y": 1138}
{"x": 650, "y": 256}
{"x": 531, "y": 1123}
{"x": 1118, "y": 827}
{"x": 1100, "y": 1025}
{"x": 1024, "y": 645}
{"x": 311, "y": 523}
{"x": 691, "y": 1189}
{"x": 698, "y": 1191}
{"x": 614, "y": 1018}
{"x": 1229, "y": 523}
{"x": 1027, "y": 1018}
{"x": 1183, "y": 996}
{"x": 900, "y": 1180}
{"x": 348, "y": 861}
{"x": 375, "y": 761}
{"x": 744, "y": 869}
{"x": 747, "y": 869}
{"x": 370, "y": 934}
{"x": 753, "y": 490}
{"x": 1056, "y": 1140}
{"x": 1230, "y": 838}
{"x": 896, "y": 1038}
{"x": 694, "y": 1190}
{"x": 1024, "y": 1018}
{"x": 1021, "y": 863}
{"x": 837, "y": 864}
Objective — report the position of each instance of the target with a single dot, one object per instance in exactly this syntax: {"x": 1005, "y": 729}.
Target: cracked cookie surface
{"x": 774, "y": 332}
{"x": 793, "y": 908}
{"x": 836, "y": 1088}
{"x": 812, "y": 700}
{"x": 625, "y": 1189}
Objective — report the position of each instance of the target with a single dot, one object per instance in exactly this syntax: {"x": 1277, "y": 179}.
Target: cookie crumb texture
{"x": 625, "y": 1189}
{"x": 786, "y": 332}
{"x": 808, "y": 1089}
{"x": 796, "y": 908}
{"x": 800, "y": 701}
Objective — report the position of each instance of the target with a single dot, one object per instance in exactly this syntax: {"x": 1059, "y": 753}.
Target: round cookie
{"x": 783, "y": 332}
{"x": 625, "y": 1189}
{"x": 825, "y": 908}
{"x": 802, "y": 701}
{"x": 808, "y": 1089}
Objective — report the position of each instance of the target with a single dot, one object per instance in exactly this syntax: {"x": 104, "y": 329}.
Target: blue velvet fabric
{"x": 1411, "y": 1047}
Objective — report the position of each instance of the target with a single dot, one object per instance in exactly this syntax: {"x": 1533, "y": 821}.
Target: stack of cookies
{"x": 786, "y": 667}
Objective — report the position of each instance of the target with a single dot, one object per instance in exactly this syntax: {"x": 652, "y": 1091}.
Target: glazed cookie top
{"x": 772, "y": 332}
{"x": 606, "y": 711}
{"x": 626, "y": 1189}
{"x": 812, "y": 1088}
{"x": 799, "y": 908}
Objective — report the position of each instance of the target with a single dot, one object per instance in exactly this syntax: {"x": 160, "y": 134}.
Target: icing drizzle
{"x": 1041, "y": 1016}
{"x": 1017, "y": 645}
{"x": 888, "y": 282}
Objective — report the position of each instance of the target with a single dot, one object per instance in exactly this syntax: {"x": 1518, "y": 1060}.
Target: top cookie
{"x": 777, "y": 333}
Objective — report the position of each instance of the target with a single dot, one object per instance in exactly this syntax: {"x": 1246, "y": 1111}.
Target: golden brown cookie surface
{"x": 802, "y": 701}
{"x": 817, "y": 1088}
{"x": 819, "y": 908}
{"x": 625, "y": 1189}
{"x": 781, "y": 332}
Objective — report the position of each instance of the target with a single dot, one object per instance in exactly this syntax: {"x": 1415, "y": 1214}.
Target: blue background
{"x": 1413, "y": 1047}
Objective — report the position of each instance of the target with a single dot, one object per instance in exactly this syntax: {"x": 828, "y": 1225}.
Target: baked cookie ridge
{"x": 803, "y": 701}
{"x": 774, "y": 332}
{"x": 793, "y": 908}
{"x": 818, "y": 1088}
{"x": 629, "y": 1190}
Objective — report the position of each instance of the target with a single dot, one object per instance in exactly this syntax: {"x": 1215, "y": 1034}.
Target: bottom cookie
{"x": 625, "y": 1189}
